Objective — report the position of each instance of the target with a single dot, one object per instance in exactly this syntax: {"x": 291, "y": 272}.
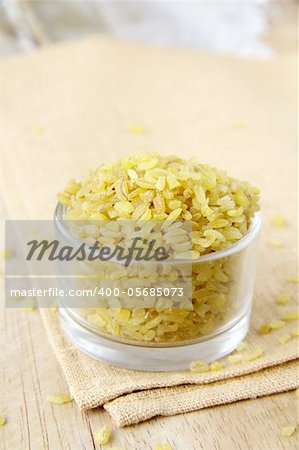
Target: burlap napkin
{"x": 68, "y": 108}
{"x": 93, "y": 383}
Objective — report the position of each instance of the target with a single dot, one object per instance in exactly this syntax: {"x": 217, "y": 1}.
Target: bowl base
{"x": 159, "y": 359}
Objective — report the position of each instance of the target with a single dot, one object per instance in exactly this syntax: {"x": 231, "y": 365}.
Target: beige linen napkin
{"x": 69, "y": 107}
{"x": 140, "y": 406}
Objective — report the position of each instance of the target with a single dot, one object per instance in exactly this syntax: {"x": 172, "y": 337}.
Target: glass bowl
{"x": 208, "y": 322}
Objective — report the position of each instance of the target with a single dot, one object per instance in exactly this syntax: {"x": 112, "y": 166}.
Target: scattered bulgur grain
{"x": 59, "y": 398}
{"x": 279, "y": 221}
{"x": 27, "y": 304}
{"x": 265, "y": 329}
{"x": 276, "y": 324}
{"x": 137, "y": 129}
{"x": 283, "y": 339}
{"x": 276, "y": 243}
{"x": 242, "y": 346}
{"x": 2, "y": 421}
{"x": 293, "y": 278}
{"x": 288, "y": 431}
{"x": 239, "y": 125}
{"x": 163, "y": 447}
{"x": 255, "y": 354}
{"x": 292, "y": 315}
{"x": 216, "y": 366}
{"x": 102, "y": 436}
{"x": 295, "y": 332}
{"x": 235, "y": 359}
{"x": 270, "y": 326}
{"x": 283, "y": 298}
{"x": 199, "y": 367}
{"x": 6, "y": 254}
{"x": 37, "y": 128}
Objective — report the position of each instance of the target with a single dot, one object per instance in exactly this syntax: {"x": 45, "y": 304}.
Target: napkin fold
{"x": 133, "y": 396}
{"x": 140, "y": 406}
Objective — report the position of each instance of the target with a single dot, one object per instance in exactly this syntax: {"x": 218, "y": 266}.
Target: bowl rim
{"x": 249, "y": 237}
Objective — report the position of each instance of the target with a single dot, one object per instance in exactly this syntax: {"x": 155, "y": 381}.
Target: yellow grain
{"x": 58, "y": 398}
{"x": 235, "y": 359}
{"x": 6, "y": 254}
{"x": 276, "y": 324}
{"x": 102, "y": 436}
{"x": 132, "y": 174}
{"x": 295, "y": 332}
{"x": 292, "y": 315}
{"x": 27, "y": 309}
{"x": 199, "y": 366}
{"x": 288, "y": 431}
{"x": 283, "y": 298}
{"x": 242, "y": 346}
{"x": 265, "y": 329}
{"x": 137, "y": 129}
{"x": 216, "y": 366}
{"x": 279, "y": 221}
{"x": 284, "y": 338}
{"x": 38, "y": 129}
{"x": 2, "y": 421}
{"x": 293, "y": 279}
{"x": 160, "y": 184}
{"x": 270, "y": 326}
{"x": 172, "y": 181}
{"x": 255, "y": 354}
{"x": 276, "y": 243}
{"x": 239, "y": 125}
{"x": 163, "y": 447}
